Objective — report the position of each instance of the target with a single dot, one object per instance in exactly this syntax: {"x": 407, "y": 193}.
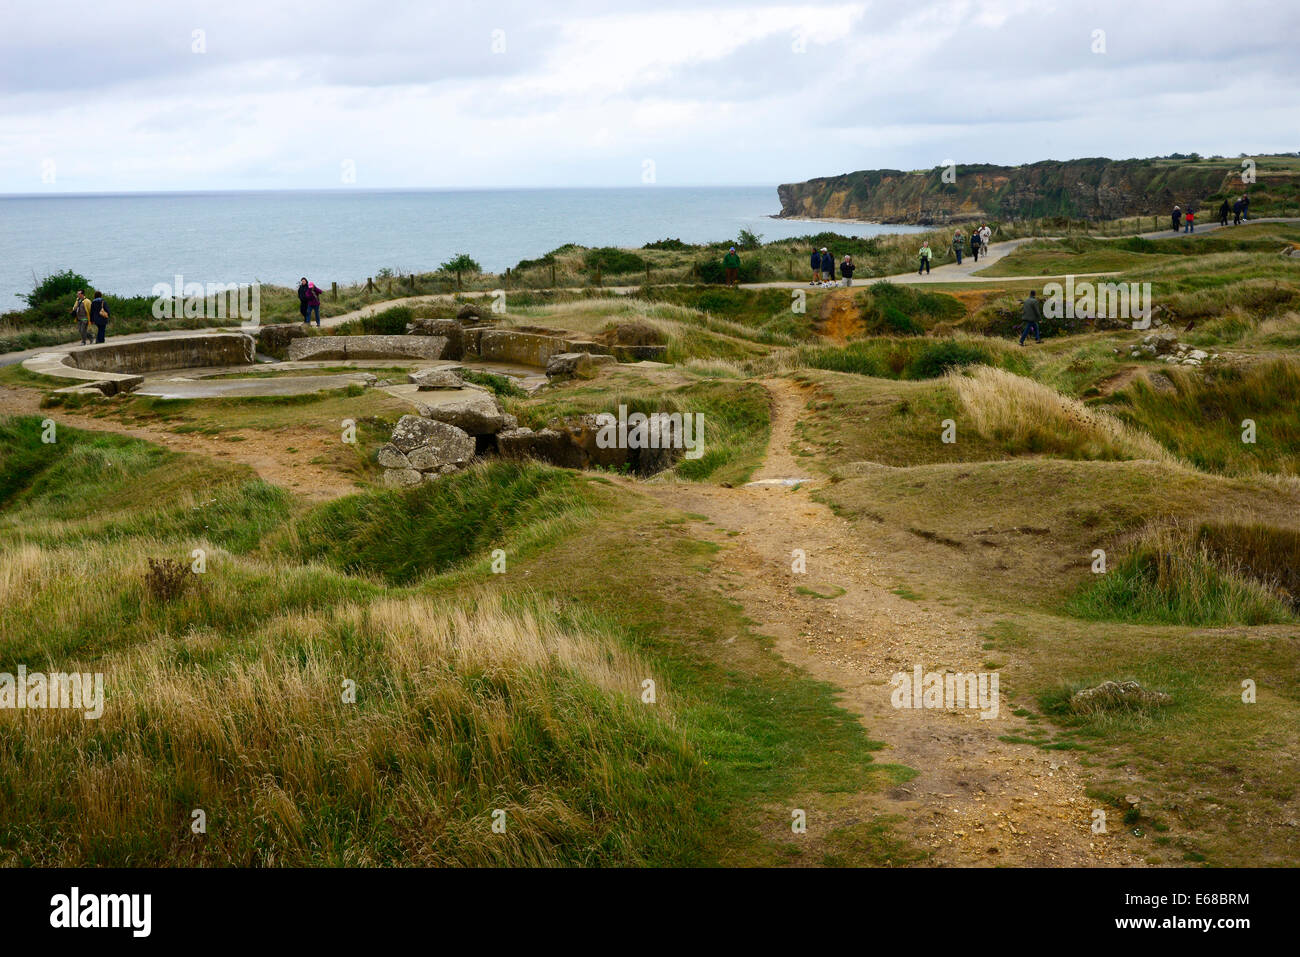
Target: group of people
{"x": 823, "y": 268}
{"x": 1185, "y": 219}
{"x": 88, "y": 312}
{"x": 979, "y": 240}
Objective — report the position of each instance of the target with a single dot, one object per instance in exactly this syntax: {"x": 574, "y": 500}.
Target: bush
{"x": 390, "y": 322}
{"x": 58, "y": 287}
{"x": 712, "y": 270}
{"x": 166, "y": 579}
{"x": 611, "y": 260}
{"x": 668, "y": 245}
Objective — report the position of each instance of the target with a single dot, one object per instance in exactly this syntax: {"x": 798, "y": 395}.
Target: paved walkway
{"x": 948, "y": 272}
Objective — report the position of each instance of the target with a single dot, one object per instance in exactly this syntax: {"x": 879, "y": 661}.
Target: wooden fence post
{"x": 334, "y": 289}
{"x": 552, "y": 275}
{"x": 370, "y": 284}
{"x": 597, "y": 275}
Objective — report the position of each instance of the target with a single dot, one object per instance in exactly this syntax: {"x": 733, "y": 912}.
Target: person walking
{"x": 1236, "y": 212}
{"x": 828, "y": 266}
{"x": 1177, "y": 218}
{"x": 986, "y": 237}
{"x": 846, "y": 269}
{"x": 1031, "y": 313}
{"x": 1223, "y": 213}
{"x": 926, "y": 256}
{"x": 81, "y": 312}
{"x": 1245, "y": 208}
{"x": 99, "y": 315}
{"x": 314, "y": 296}
{"x": 956, "y": 245}
{"x": 731, "y": 263}
{"x": 1189, "y": 221}
{"x": 816, "y": 263}
{"x": 975, "y": 245}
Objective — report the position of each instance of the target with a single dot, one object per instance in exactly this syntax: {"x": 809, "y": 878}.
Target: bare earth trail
{"x": 976, "y": 800}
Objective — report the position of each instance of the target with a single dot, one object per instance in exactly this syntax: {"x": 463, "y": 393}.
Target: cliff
{"x": 1079, "y": 189}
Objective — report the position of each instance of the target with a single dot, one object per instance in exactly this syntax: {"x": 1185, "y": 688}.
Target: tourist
{"x": 816, "y": 262}
{"x": 1245, "y": 208}
{"x": 1178, "y": 218}
{"x": 975, "y": 245}
{"x": 1223, "y": 213}
{"x": 828, "y": 266}
{"x": 926, "y": 256}
{"x": 731, "y": 263}
{"x": 81, "y": 312}
{"x": 303, "y": 293}
{"x": 99, "y": 315}
{"x": 1189, "y": 221}
{"x": 1031, "y": 312}
{"x": 1236, "y": 212}
{"x": 309, "y": 301}
{"x": 986, "y": 237}
{"x": 846, "y": 269}
{"x": 956, "y": 245}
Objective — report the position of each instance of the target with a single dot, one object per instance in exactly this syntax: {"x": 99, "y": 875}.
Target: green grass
{"x": 909, "y": 358}
{"x": 1201, "y": 420}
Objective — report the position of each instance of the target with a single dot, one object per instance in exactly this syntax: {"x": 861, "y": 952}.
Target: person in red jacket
{"x": 1189, "y": 221}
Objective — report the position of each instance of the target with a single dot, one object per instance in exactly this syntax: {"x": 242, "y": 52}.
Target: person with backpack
{"x": 81, "y": 312}
{"x": 986, "y": 237}
{"x": 731, "y": 263}
{"x": 846, "y": 269}
{"x": 957, "y": 245}
{"x": 99, "y": 315}
{"x": 1236, "y": 212}
{"x": 1031, "y": 313}
{"x": 926, "y": 256}
{"x": 1178, "y": 218}
{"x": 816, "y": 263}
{"x": 1223, "y": 213}
{"x": 975, "y": 245}
{"x": 1189, "y": 221}
{"x": 828, "y": 266}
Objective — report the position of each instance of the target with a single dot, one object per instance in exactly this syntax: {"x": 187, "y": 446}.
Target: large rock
{"x": 581, "y": 365}
{"x": 546, "y": 445}
{"x": 401, "y": 478}
{"x": 583, "y": 433}
{"x": 476, "y": 413}
{"x": 415, "y": 432}
{"x": 432, "y": 379}
{"x": 391, "y": 457}
{"x": 369, "y": 347}
{"x": 666, "y": 446}
{"x": 640, "y": 353}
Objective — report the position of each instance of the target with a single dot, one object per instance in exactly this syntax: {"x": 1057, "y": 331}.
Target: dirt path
{"x": 282, "y": 457}
{"x": 976, "y": 800}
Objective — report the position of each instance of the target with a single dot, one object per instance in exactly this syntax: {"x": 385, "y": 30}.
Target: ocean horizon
{"x": 125, "y": 243}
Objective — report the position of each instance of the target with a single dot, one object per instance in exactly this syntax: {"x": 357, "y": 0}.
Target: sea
{"x": 125, "y": 243}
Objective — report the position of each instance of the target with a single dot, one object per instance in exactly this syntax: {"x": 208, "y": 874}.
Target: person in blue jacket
{"x": 828, "y": 266}
{"x": 816, "y": 267}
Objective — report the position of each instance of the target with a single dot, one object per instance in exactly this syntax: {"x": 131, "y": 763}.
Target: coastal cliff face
{"x": 1079, "y": 189}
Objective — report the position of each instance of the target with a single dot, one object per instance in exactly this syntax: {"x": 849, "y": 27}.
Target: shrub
{"x": 166, "y": 579}
{"x": 668, "y": 245}
{"x": 57, "y": 287}
{"x": 611, "y": 260}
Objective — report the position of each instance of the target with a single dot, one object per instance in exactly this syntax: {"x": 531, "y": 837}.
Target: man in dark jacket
{"x": 1177, "y": 216}
{"x": 1236, "y": 212}
{"x": 957, "y": 245}
{"x": 303, "y": 295}
{"x": 1223, "y": 214}
{"x": 1245, "y": 208}
{"x": 1031, "y": 312}
{"x": 828, "y": 266}
{"x": 816, "y": 263}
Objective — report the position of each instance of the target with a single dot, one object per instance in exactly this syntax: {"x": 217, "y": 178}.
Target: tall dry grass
{"x": 1025, "y": 416}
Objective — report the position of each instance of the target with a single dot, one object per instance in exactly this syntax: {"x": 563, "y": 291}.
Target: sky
{"x": 131, "y": 95}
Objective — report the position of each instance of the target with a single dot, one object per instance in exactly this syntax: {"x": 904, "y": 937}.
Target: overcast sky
{"x": 126, "y": 95}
